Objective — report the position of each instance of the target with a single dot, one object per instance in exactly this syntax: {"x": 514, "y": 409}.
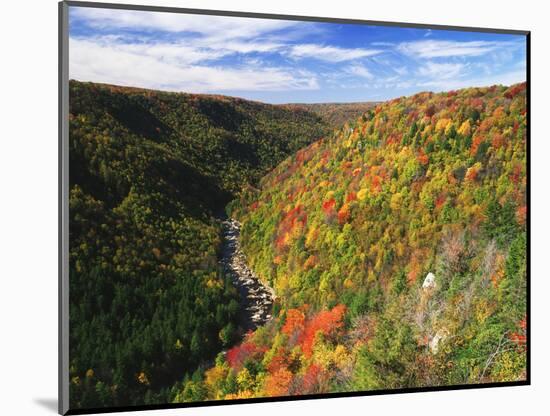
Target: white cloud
{"x": 443, "y": 48}
{"x": 329, "y": 53}
{"x": 401, "y": 70}
{"x": 390, "y": 83}
{"x": 440, "y": 71}
{"x": 382, "y": 44}
{"x": 360, "y": 70}
{"x": 169, "y": 52}
{"x": 191, "y": 52}
{"x": 200, "y": 53}
{"x": 244, "y": 47}
{"x": 215, "y": 27}
{"x": 507, "y": 78}
{"x": 149, "y": 67}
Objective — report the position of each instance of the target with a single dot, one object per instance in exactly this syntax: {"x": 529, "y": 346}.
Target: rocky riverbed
{"x": 256, "y": 297}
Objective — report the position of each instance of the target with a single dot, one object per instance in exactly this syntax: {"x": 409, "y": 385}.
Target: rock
{"x": 429, "y": 281}
{"x": 439, "y": 337}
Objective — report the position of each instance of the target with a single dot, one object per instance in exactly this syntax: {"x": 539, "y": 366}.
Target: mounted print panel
{"x": 263, "y": 208}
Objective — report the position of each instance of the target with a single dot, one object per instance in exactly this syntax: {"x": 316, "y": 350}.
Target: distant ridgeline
{"x": 397, "y": 248}
{"x": 335, "y": 114}
{"x": 149, "y": 173}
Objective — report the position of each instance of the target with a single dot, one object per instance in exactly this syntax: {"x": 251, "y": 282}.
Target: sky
{"x": 280, "y": 61}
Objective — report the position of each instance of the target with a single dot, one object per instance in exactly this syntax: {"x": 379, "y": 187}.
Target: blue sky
{"x": 280, "y": 61}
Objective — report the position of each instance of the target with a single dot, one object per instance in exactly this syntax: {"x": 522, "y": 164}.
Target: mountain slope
{"x": 150, "y": 173}
{"x": 397, "y": 248}
{"x": 335, "y": 114}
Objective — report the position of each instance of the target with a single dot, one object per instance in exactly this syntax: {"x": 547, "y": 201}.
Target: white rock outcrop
{"x": 429, "y": 281}
{"x": 439, "y": 337}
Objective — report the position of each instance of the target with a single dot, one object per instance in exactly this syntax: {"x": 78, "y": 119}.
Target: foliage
{"x": 150, "y": 174}
{"x": 335, "y": 114}
{"x": 347, "y": 229}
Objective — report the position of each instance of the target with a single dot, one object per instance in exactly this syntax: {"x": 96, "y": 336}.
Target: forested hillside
{"x": 397, "y": 249}
{"x": 335, "y": 114}
{"x": 150, "y": 174}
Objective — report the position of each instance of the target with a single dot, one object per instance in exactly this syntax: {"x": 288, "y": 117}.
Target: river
{"x": 256, "y": 298}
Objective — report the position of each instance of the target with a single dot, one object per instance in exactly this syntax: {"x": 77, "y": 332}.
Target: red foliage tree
{"x": 328, "y": 207}
{"x": 352, "y": 196}
{"x": 294, "y": 218}
{"x": 278, "y": 383}
{"x": 239, "y": 354}
{"x": 295, "y": 321}
{"x": 515, "y": 90}
{"x": 343, "y": 214}
{"x": 325, "y": 322}
{"x": 278, "y": 362}
{"x": 311, "y": 379}
{"x": 516, "y": 175}
{"x": 521, "y": 214}
{"x": 476, "y": 141}
{"x": 498, "y": 141}
{"x": 422, "y": 158}
{"x": 376, "y": 184}
{"x": 430, "y": 110}
{"x": 440, "y": 200}
{"x": 520, "y": 337}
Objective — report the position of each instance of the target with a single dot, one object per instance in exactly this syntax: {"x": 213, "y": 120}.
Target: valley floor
{"x": 256, "y": 297}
